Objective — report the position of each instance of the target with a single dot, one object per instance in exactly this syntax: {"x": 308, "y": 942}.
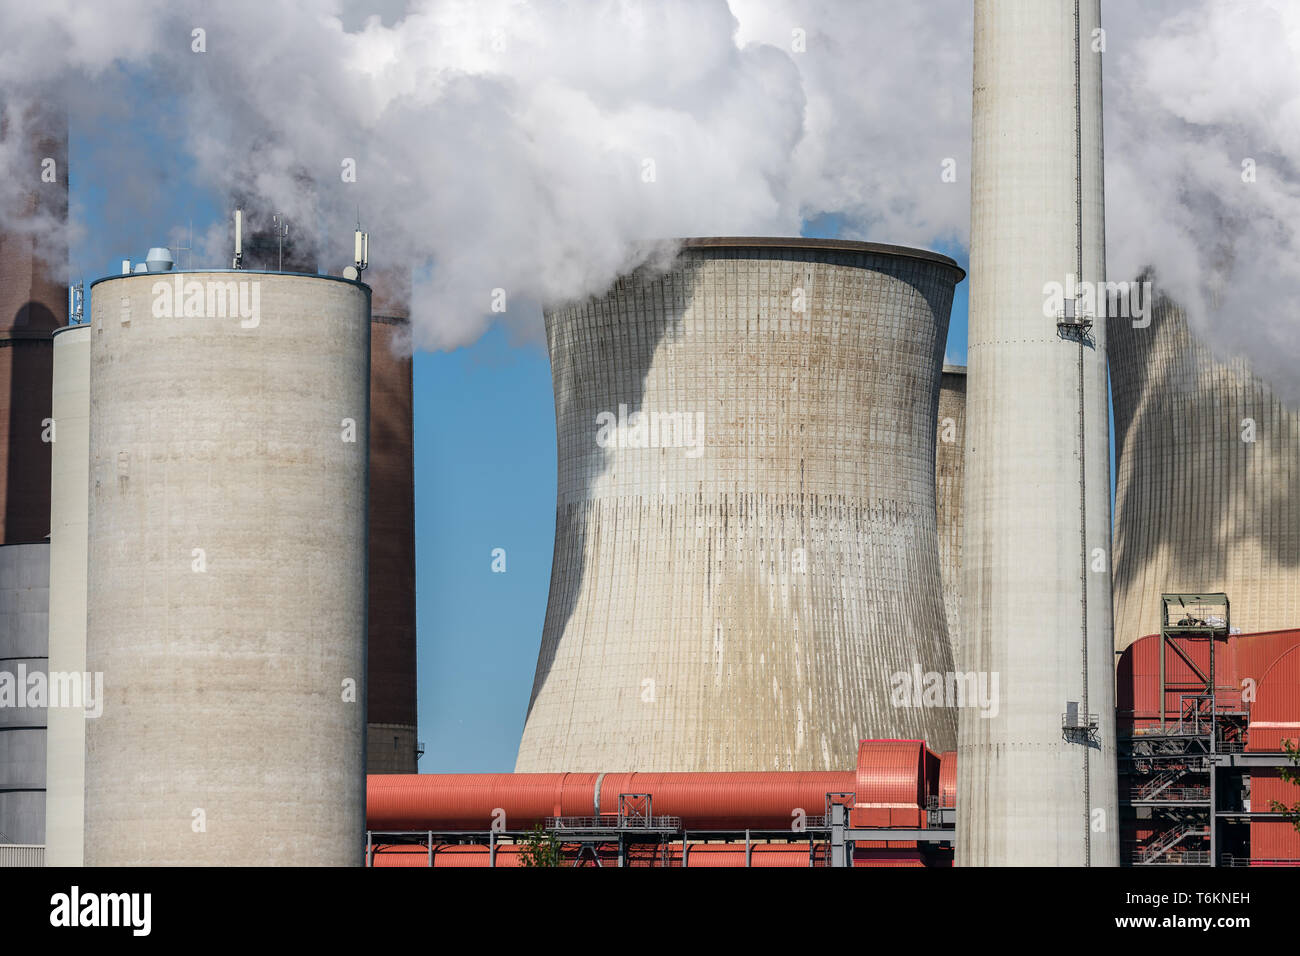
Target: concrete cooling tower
{"x": 226, "y": 602}
{"x": 33, "y": 303}
{"x": 746, "y": 571}
{"x": 949, "y": 473}
{"x": 1037, "y": 777}
{"x": 1208, "y": 488}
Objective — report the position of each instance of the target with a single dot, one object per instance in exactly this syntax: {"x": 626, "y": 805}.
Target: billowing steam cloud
{"x": 530, "y": 148}
{"x": 1203, "y": 169}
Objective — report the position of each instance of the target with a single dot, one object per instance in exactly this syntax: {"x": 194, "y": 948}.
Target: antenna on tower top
{"x": 188, "y": 248}
{"x": 360, "y": 252}
{"x": 238, "y": 262}
{"x": 281, "y": 233}
{"x": 361, "y": 249}
{"x": 76, "y": 302}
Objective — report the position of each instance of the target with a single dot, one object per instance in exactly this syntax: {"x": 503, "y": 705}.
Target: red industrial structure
{"x": 888, "y": 811}
{"x": 1202, "y": 716}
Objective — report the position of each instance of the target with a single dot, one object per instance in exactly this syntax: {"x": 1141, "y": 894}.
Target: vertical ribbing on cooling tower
{"x": 748, "y": 603}
{"x": 949, "y": 478}
{"x": 1023, "y": 794}
{"x": 1208, "y": 484}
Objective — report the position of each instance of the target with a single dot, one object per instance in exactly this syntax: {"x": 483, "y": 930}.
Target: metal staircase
{"x": 1157, "y": 851}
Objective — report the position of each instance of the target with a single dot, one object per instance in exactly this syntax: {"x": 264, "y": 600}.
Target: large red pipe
{"x": 698, "y": 855}
{"x": 519, "y": 801}
{"x": 890, "y": 774}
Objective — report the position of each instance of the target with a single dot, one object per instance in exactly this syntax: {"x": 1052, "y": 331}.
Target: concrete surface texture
{"x": 1207, "y": 486}
{"x": 1029, "y": 796}
{"x": 391, "y": 730}
{"x": 69, "y": 500}
{"x": 746, "y": 565}
{"x": 227, "y": 582}
{"x": 24, "y": 635}
{"x": 949, "y": 473}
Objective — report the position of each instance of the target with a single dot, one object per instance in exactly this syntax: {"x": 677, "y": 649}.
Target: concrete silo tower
{"x": 1037, "y": 781}
{"x": 226, "y": 603}
{"x": 69, "y": 501}
{"x": 274, "y": 244}
{"x": 1208, "y": 489}
{"x": 746, "y": 570}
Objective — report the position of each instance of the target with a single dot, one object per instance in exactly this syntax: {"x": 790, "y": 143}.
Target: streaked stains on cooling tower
{"x": 1208, "y": 484}
{"x": 745, "y": 551}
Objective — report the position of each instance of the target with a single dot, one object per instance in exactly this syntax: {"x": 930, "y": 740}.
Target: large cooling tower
{"x": 746, "y": 570}
{"x": 69, "y": 500}
{"x": 33, "y": 303}
{"x": 949, "y": 475}
{"x": 1208, "y": 485}
{"x": 227, "y": 554}
{"x": 391, "y": 732}
{"x": 1036, "y": 581}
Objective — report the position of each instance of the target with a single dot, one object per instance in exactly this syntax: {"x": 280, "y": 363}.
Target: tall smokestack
{"x": 1037, "y": 781}
{"x": 391, "y": 745}
{"x": 33, "y": 303}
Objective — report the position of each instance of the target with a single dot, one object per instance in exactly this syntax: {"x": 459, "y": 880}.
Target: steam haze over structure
{"x": 532, "y": 148}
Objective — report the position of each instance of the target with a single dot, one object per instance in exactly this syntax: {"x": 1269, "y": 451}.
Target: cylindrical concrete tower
{"x": 1036, "y": 554}
{"x": 1208, "y": 488}
{"x": 949, "y": 474}
{"x": 227, "y": 586}
{"x": 24, "y": 627}
{"x": 746, "y": 568}
{"x": 69, "y": 496}
{"x": 33, "y": 303}
{"x": 391, "y": 732}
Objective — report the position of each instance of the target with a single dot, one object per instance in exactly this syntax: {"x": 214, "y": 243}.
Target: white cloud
{"x": 505, "y": 143}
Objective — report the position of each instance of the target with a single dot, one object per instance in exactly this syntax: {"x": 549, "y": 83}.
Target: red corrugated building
{"x": 1255, "y": 706}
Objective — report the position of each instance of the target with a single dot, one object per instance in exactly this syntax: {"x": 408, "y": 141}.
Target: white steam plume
{"x": 1203, "y": 169}
{"x": 504, "y": 145}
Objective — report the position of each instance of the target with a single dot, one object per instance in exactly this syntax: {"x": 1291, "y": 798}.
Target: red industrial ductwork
{"x": 892, "y": 776}
{"x": 702, "y": 855}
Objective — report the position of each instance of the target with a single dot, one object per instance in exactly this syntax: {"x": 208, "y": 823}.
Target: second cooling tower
{"x": 226, "y": 604}
{"x": 949, "y": 479}
{"x": 746, "y": 571}
{"x": 1208, "y": 489}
